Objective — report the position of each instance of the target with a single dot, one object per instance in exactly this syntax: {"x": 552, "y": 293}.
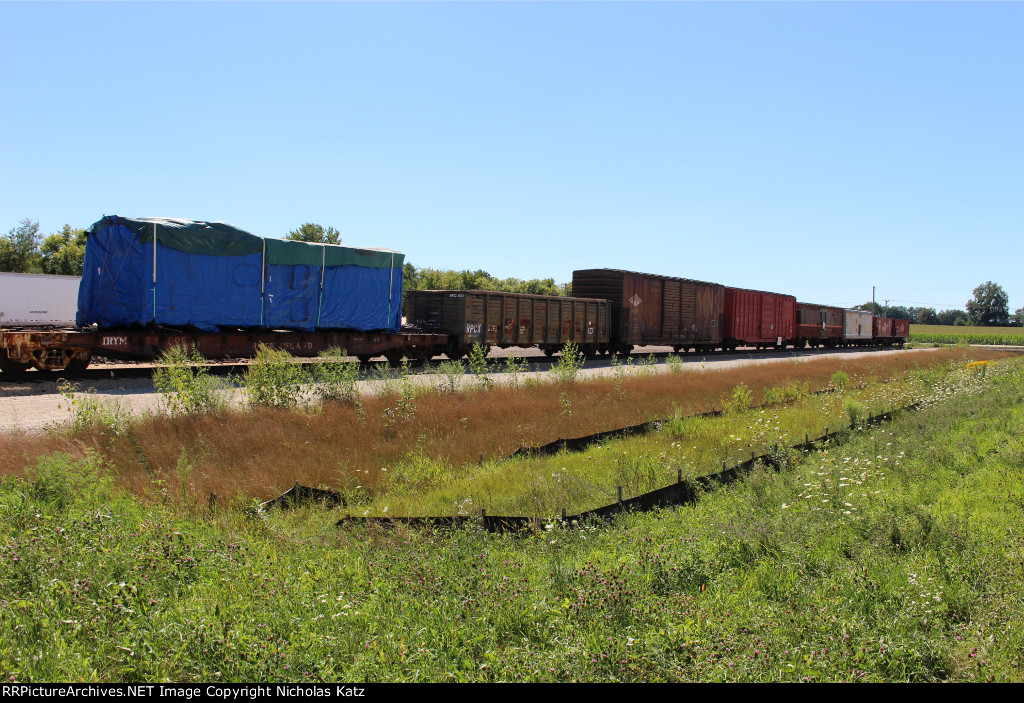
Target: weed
{"x": 478, "y": 365}
{"x": 450, "y": 375}
{"x": 89, "y": 413}
{"x": 565, "y": 404}
{"x": 274, "y": 380}
{"x": 646, "y": 366}
{"x": 674, "y": 363}
{"x": 840, "y": 380}
{"x": 184, "y": 471}
{"x": 514, "y": 367}
{"x": 740, "y": 400}
{"x": 569, "y": 364}
{"x": 57, "y": 481}
{"x": 618, "y": 375}
{"x": 336, "y": 377}
{"x": 854, "y": 411}
{"x": 185, "y": 384}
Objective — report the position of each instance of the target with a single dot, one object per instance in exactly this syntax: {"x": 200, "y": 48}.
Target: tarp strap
{"x": 323, "y": 267}
{"x": 391, "y": 287}
{"x": 154, "y": 272}
{"x": 263, "y": 279}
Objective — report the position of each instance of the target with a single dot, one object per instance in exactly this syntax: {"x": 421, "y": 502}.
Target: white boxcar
{"x": 857, "y": 325}
{"x": 36, "y": 300}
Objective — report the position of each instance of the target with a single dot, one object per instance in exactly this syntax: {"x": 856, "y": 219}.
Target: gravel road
{"x": 31, "y": 406}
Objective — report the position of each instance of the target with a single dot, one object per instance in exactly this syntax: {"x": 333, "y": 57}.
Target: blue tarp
{"x": 244, "y": 287}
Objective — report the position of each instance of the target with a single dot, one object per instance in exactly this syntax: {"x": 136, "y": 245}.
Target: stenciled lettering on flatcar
{"x": 473, "y": 327}
{"x": 456, "y": 295}
{"x": 117, "y": 341}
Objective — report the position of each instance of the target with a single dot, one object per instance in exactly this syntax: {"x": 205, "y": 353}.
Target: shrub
{"x": 568, "y": 366}
{"x": 185, "y": 384}
{"x": 274, "y": 380}
{"x": 674, "y": 363}
{"x": 514, "y": 366}
{"x": 478, "y": 364}
{"x": 840, "y": 380}
{"x": 450, "y": 375}
{"x": 336, "y": 377}
{"x": 89, "y": 413}
{"x": 854, "y": 411}
{"x": 57, "y": 481}
{"x": 740, "y": 400}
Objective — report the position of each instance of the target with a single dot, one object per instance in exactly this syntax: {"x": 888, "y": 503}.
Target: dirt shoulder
{"x": 31, "y": 407}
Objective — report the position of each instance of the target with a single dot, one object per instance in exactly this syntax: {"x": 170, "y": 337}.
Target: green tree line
{"x": 990, "y": 307}
{"x": 24, "y": 250}
{"x": 440, "y": 279}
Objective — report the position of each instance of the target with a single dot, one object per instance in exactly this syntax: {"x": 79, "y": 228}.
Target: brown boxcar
{"x": 818, "y": 325}
{"x": 881, "y": 327}
{"x": 655, "y": 310}
{"x": 758, "y": 318}
{"x": 890, "y": 331}
{"x": 491, "y": 318}
{"x": 901, "y": 330}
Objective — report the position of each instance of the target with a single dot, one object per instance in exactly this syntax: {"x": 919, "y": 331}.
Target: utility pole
{"x": 872, "y": 300}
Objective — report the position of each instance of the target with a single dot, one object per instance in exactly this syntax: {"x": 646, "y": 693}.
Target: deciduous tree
{"x": 19, "y": 249}
{"x": 64, "y": 252}
{"x": 311, "y": 232}
{"x": 990, "y": 305}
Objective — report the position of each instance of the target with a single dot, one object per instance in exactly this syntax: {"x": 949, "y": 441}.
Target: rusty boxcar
{"x": 758, "y": 318}
{"x": 818, "y": 325}
{"x": 889, "y": 331}
{"x": 647, "y": 309}
{"x": 496, "y": 319}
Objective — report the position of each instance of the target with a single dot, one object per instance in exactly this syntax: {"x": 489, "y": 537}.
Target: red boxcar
{"x": 881, "y": 328}
{"x": 647, "y": 309}
{"x": 901, "y": 330}
{"x": 758, "y": 318}
{"x": 818, "y": 325}
{"x": 890, "y": 331}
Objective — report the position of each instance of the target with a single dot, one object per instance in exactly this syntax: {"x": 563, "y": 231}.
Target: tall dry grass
{"x": 261, "y": 452}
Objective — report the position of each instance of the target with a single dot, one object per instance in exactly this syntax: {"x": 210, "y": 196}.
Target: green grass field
{"x": 951, "y": 334}
{"x": 953, "y": 329}
{"x": 891, "y": 555}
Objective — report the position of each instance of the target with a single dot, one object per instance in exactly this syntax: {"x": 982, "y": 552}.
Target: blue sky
{"x": 816, "y": 149}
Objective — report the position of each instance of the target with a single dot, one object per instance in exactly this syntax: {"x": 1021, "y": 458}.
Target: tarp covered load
{"x": 209, "y": 275}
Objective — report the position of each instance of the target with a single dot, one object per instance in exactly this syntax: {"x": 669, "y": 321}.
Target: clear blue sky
{"x": 813, "y": 149}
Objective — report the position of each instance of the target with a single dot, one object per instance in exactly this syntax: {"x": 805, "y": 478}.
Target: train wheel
{"x": 75, "y": 367}
{"x": 364, "y": 358}
{"x": 11, "y": 367}
{"x": 394, "y": 357}
{"x": 549, "y": 351}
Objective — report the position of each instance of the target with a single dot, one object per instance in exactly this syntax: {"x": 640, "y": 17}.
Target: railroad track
{"x": 34, "y": 382}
